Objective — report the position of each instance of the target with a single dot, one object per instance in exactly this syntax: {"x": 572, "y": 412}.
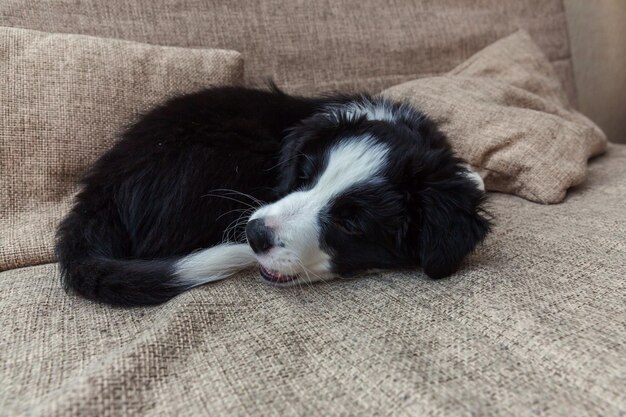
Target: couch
{"x": 533, "y": 324}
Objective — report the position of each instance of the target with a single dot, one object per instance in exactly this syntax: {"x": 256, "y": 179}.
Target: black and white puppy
{"x": 313, "y": 188}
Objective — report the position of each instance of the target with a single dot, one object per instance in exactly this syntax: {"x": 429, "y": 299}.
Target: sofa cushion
{"x": 506, "y": 113}
{"x": 533, "y": 325}
{"x": 64, "y": 98}
{"x": 312, "y": 46}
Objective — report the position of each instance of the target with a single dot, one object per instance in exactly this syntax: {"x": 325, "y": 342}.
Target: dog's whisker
{"x": 236, "y": 236}
{"x": 231, "y": 191}
{"x": 231, "y": 199}
{"x": 228, "y": 227}
{"x": 306, "y": 271}
{"x": 292, "y": 271}
{"x": 233, "y": 226}
{"x": 281, "y": 163}
{"x": 234, "y": 211}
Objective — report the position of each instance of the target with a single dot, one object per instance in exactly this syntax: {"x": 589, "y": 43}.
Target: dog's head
{"x": 367, "y": 185}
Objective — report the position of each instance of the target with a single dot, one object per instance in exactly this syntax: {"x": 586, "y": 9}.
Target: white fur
{"x": 475, "y": 176}
{"x": 295, "y": 218}
{"x": 214, "y": 264}
{"x": 372, "y": 110}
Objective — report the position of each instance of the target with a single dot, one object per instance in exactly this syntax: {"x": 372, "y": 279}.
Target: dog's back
{"x": 157, "y": 195}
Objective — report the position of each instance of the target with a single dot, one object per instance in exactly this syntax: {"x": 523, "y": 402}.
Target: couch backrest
{"x": 309, "y": 46}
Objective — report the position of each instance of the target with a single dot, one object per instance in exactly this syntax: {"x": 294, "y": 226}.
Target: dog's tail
{"x": 93, "y": 264}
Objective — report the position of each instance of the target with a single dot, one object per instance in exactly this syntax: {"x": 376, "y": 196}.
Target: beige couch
{"x": 534, "y": 324}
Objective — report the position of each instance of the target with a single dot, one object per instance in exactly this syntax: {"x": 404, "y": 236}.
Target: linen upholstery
{"x": 316, "y": 46}
{"x": 533, "y": 325}
{"x": 505, "y": 113}
{"x": 64, "y": 99}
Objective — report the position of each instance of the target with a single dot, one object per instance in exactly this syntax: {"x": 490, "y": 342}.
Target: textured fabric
{"x": 64, "y": 98}
{"x": 597, "y": 32}
{"x": 505, "y": 113}
{"x": 533, "y": 324}
{"x": 311, "y": 46}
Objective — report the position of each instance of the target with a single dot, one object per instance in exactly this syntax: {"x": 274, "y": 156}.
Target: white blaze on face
{"x": 295, "y": 218}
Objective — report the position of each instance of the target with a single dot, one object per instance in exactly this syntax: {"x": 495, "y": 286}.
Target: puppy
{"x": 210, "y": 183}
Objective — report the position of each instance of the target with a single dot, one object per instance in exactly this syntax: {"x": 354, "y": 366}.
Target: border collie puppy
{"x": 308, "y": 188}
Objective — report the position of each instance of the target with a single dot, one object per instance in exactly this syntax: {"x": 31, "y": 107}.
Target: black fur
{"x": 427, "y": 213}
{"x": 152, "y": 198}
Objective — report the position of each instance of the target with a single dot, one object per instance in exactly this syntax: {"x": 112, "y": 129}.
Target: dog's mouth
{"x": 276, "y": 277}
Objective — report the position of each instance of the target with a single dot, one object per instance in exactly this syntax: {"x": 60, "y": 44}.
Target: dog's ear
{"x": 453, "y": 222}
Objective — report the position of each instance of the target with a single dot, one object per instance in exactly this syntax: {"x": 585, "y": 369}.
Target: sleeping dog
{"x": 214, "y": 182}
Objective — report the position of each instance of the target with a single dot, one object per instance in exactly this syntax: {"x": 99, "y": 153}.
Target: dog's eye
{"x": 307, "y": 169}
{"x": 349, "y": 226}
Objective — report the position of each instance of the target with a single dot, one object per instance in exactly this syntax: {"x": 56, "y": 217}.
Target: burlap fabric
{"x": 506, "y": 113}
{"x": 312, "y": 46}
{"x": 64, "y": 98}
{"x": 533, "y": 325}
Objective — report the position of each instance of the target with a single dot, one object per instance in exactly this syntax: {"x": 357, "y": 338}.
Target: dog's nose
{"x": 260, "y": 237}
